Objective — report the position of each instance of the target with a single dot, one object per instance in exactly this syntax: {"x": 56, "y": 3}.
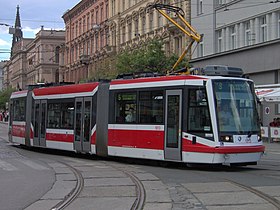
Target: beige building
{"x": 43, "y": 57}
{"x": 96, "y": 31}
{"x": 15, "y": 69}
{"x": 132, "y": 24}
{"x": 34, "y": 60}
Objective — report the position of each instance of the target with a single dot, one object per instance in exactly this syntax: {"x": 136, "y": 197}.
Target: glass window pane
{"x": 198, "y": 116}
{"x": 151, "y": 107}
{"x": 173, "y": 115}
{"x": 126, "y": 108}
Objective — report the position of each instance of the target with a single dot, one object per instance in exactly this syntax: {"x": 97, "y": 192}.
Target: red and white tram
{"x": 173, "y": 118}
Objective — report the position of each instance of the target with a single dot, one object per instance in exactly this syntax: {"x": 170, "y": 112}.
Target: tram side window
{"x": 198, "y": 117}
{"x": 67, "y": 115}
{"x": 61, "y": 115}
{"x": 53, "y": 115}
{"x": 126, "y": 108}
{"x": 151, "y": 106}
{"x": 19, "y": 109}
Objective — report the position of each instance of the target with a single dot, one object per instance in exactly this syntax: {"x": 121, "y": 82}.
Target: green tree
{"x": 5, "y": 96}
{"x": 149, "y": 58}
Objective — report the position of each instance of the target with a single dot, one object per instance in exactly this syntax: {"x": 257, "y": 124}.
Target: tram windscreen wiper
{"x": 249, "y": 134}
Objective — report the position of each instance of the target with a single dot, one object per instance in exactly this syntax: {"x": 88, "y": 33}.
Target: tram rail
{"x": 268, "y": 198}
{"x": 75, "y": 192}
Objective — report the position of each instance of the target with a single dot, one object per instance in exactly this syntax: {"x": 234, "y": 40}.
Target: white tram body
{"x": 172, "y": 118}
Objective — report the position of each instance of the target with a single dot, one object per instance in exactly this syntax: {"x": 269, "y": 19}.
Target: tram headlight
{"x": 226, "y": 138}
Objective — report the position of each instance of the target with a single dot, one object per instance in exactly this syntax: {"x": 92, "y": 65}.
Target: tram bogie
{"x": 168, "y": 118}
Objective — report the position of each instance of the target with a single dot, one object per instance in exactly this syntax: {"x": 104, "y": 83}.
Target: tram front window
{"x": 236, "y": 108}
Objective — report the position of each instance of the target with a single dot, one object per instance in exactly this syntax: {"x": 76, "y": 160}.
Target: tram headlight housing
{"x": 226, "y": 138}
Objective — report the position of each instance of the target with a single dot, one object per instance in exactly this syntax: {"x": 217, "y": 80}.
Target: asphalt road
{"x": 23, "y": 180}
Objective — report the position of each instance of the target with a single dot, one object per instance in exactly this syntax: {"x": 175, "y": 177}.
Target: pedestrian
{"x": 273, "y": 123}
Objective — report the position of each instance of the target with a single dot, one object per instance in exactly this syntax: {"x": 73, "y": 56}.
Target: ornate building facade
{"x": 98, "y": 30}
{"x": 33, "y": 60}
{"x": 86, "y": 39}
{"x": 42, "y": 58}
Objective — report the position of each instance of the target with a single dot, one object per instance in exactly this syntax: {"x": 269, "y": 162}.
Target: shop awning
{"x": 268, "y": 94}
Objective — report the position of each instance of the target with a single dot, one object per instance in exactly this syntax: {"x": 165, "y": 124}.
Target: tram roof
{"x": 66, "y": 89}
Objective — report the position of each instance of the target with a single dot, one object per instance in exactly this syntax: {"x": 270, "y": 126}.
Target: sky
{"x": 33, "y": 15}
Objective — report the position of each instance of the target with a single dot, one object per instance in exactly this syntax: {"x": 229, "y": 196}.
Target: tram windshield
{"x": 235, "y": 107}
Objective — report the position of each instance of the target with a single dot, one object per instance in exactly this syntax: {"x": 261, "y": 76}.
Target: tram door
{"x": 173, "y": 115}
{"x": 83, "y": 107}
{"x": 39, "y": 122}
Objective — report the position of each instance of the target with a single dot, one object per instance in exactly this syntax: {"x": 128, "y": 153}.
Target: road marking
{"x": 7, "y": 166}
{"x": 33, "y": 165}
{"x": 275, "y": 153}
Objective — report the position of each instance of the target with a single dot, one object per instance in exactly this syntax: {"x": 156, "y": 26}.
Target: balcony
{"x": 110, "y": 49}
{"x": 84, "y": 59}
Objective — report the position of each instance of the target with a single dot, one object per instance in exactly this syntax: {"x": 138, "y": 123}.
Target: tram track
{"x": 264, "y": 196}
{"x": 140, "y": 190}
{"x": 75, "y": 192}
{"x": 138, "y": 204}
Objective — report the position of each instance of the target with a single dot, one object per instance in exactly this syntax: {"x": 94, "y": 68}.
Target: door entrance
{"x": 173, "y": 116}
{"x": 39, "y": 122}
{"x": 82, "y": 126}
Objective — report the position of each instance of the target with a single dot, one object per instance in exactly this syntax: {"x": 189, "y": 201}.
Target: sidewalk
{"x": 272, "y": 146}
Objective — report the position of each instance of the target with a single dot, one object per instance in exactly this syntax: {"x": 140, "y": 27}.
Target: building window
{"x": 123, "y": 34}
{"x": 107, "y": 10}
{"x": 220, "y": 41}
{"x": 136, "y": 23}
{"x": 96, "y": 17}
{"x": 92, "y": 19}
{"x": 129, "y": 26}
{"x": 102, "y": 34}
{"x": 199, "y": 7}
{"x": 123, "y": 5}
{"x": 143, "y": 24}
{"x": 232, "y": 37}
{"x": 88, "y": 48}
{"x": 200, "y": 49}
{"x": 88, "y": 23}
{"x": 101, "y": 14}
{"x": 151, "y": 19}
{"x": 160, "y": 24}
{"x": 107, "y": 37}
{"x": 57, "y": 54}
{"x": 113, "y": 7}
{"x": 84, "y": 25}
{"x": 76, "y": 31}
{"x": 96, "y": 42}
{"x": 247, "y": 33}
{"x": 92, "y": 46}
{"x": 114, "y": 41}
{"x": 263, "y": 29}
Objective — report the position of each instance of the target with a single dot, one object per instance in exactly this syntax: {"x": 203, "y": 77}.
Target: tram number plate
{"x": 244, "y": 139}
